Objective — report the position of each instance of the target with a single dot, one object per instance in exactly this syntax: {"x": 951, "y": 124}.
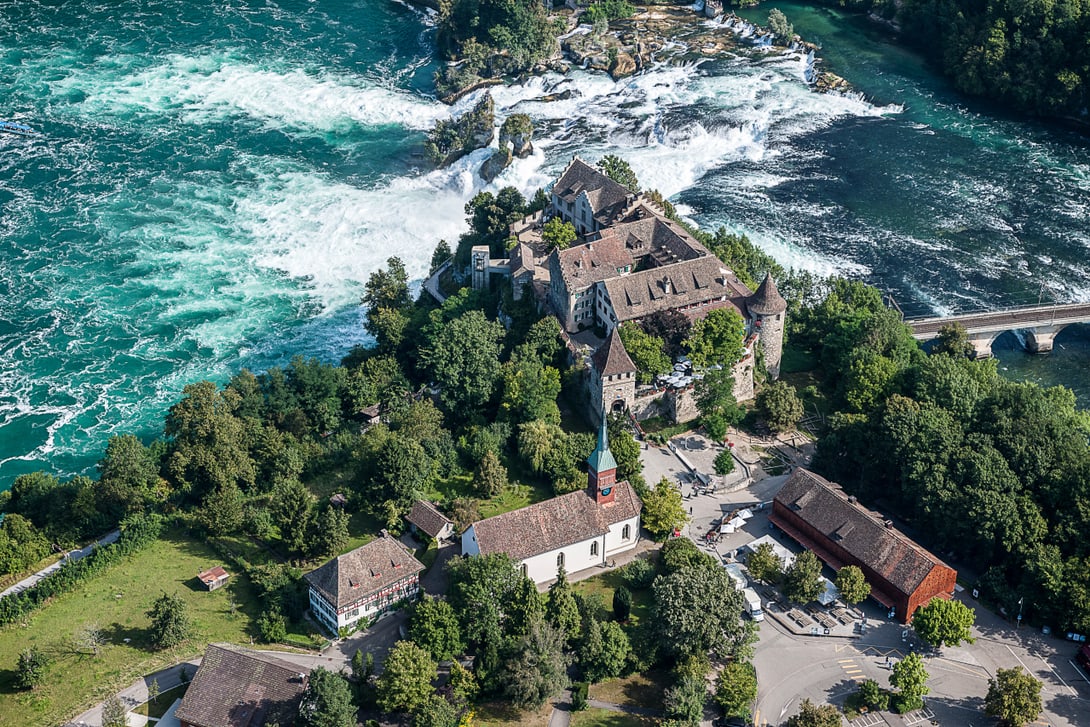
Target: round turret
{"x": 767, "y": 308}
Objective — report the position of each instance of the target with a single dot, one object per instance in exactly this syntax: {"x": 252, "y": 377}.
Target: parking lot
{"x": 826, "y": 669}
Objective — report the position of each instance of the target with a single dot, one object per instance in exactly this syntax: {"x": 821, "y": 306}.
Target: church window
{"x": 626, "y": 532}
{"x": 594, "y": 548}
{"x": 560, "y": 560}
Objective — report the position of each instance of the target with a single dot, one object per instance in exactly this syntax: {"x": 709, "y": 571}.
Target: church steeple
{"x": 602, "y": 468}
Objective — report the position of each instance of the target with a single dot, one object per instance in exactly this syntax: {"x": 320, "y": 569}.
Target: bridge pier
{"x": 982, "y": 344}
{"x": 1039, "y": 339}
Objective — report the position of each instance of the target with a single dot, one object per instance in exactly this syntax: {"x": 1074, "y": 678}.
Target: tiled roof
{"x": 767, "y": 299}
{"x": 611, "y": 358}
{"x": 688, "y": 282}
{"x": 555, "y": 523}
{"x": 427, "y": 518}
{"x": 605, "y": 195}
{"x": 236, "y": 687}
{"x": 862, "y": 534}
{"x": 522, "y": 260}
{"x": 592, "y": 262}
{"x": 366, "y": 569}
{"x": 649, "y": 233}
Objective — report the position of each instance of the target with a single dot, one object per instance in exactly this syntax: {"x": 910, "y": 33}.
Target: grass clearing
{"x": 603, "y": 586}
{"x": 498, "y": 714}
{"x": 594, "y": 717}
{"x": 642, "y": 690}
{"x": 116, "y": 603}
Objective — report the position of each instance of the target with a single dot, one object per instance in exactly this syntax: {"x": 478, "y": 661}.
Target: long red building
{"x": 821, "y": 517}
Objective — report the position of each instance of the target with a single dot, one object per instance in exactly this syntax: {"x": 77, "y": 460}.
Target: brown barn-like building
{"x": 820, "y": 516}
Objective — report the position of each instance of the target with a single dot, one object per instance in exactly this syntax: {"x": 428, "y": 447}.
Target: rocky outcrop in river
{"x": 453, "y": 139}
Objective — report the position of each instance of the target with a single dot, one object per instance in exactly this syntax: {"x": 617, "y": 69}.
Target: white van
{"x": 753, "y": 604}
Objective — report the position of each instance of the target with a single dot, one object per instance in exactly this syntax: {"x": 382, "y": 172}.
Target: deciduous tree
{"x": 647, "y": 352}
{"x": 696, "y": 610}
{"x": 1014, "y": 697}
{"x": 463, "y": 358}
{"x": 603, "y": 650}
{"x": 619, "y": 171}
{"x": 910, "y": 678}
{"x": 812, "y": 715}
{"x": 736, "y": 688}
{"x": 852, "y": 584}
{"x": 434, "y": 627}
{"x": 170, "y": 622}
{"x": 663, "y": 511}
{"x": 780, "y": 406}
{"x": 802, "y": 579}
{"x": 30, "y": 671}
{"x": 717, "y": 338}
{"x": 327, "y": 701}
{"x": 114, "y": 713}
{"x": 558, "y": 234}
{"x": 764, "y": 565}
{"x": 405, "y": 682}
{"x": 944, "y": 622}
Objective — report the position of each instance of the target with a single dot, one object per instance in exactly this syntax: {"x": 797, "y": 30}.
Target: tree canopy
{"x": 1014, "y": 697}
{"x": 944, "y": 622}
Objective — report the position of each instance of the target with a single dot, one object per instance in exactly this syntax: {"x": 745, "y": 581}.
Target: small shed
{"x": 213, "y": 578}
{"x": 370, "y": 415}
{"x": 425, "y": 518}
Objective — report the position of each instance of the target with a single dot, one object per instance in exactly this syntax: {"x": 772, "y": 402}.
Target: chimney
{"x": 888, "y": 524}
{"x": 851, "y": 499}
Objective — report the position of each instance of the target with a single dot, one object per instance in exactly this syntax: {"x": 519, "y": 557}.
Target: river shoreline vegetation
{"x": 1032, "y": 56}
{"x": 479, "y": 411}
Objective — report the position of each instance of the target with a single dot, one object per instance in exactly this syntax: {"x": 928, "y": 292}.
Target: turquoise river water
{"x": 213, "y": 183}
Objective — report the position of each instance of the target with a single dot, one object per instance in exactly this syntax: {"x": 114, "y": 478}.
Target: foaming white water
{"x": 332, "y": 235}
{"x": 206, "y": 88}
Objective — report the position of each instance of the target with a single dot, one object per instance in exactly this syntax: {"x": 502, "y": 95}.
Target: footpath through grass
{"x": 116, "y": 602}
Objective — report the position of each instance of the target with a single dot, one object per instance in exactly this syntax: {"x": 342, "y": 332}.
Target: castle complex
{"x": 630, "y": 262}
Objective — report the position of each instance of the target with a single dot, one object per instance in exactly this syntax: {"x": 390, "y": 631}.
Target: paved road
{"x": 69, "y": 556}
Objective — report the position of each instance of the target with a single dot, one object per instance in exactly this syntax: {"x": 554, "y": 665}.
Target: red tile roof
{"x": 555, "y": 523}
{"x": 611, "y": 358}
{"x": 369, "y": 568}
{"x": 859, "y": 532}
{"x": 212, "y": 575}
{"x": 236, "y": 687}
{"x": 427, "y": 518}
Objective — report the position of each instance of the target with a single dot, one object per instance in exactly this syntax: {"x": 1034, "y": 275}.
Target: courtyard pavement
{"x": 792, "y": 664}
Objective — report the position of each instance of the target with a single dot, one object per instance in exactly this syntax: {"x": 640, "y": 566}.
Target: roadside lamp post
{"x": 1020, "y": 612}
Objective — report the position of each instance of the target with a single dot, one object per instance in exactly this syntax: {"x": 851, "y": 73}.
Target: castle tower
{"x": 612, "y": 383}
{"x": 601, "y": 468}
{"x": 768, "y": 310}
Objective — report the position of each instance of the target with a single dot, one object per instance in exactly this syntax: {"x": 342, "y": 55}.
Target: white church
{"x": 578, "y": 530}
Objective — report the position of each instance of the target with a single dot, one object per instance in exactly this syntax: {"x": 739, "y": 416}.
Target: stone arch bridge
{"x": 1040, "y": 322}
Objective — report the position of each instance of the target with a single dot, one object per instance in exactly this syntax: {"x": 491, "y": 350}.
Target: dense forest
{"x": 991, "y": 473}
{"x": 1031, "y": 54}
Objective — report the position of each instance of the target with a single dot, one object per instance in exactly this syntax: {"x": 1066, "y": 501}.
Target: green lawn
{"x": 160, "y": 706}
{"x": 640, "y": 690}
{"x": 116, "y": 602}
{"x": 499, "y": 714}
{"x": 603, "y": 587}
{"x": 594, "y": 717}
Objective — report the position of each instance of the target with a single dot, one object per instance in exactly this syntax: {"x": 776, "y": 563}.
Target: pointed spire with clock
{"x": 601, "y": 468}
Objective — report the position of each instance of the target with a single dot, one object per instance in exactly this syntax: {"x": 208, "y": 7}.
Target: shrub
{"x": 724, "y": 463}
{"x": 579, "y": 692}
{"x": 638, "y": 574}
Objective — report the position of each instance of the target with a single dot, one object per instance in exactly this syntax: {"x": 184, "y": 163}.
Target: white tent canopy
{"x": 829, "y": 593}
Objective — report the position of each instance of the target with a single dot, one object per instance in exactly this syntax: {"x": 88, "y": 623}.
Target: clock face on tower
{"x": 606, "y": 491}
